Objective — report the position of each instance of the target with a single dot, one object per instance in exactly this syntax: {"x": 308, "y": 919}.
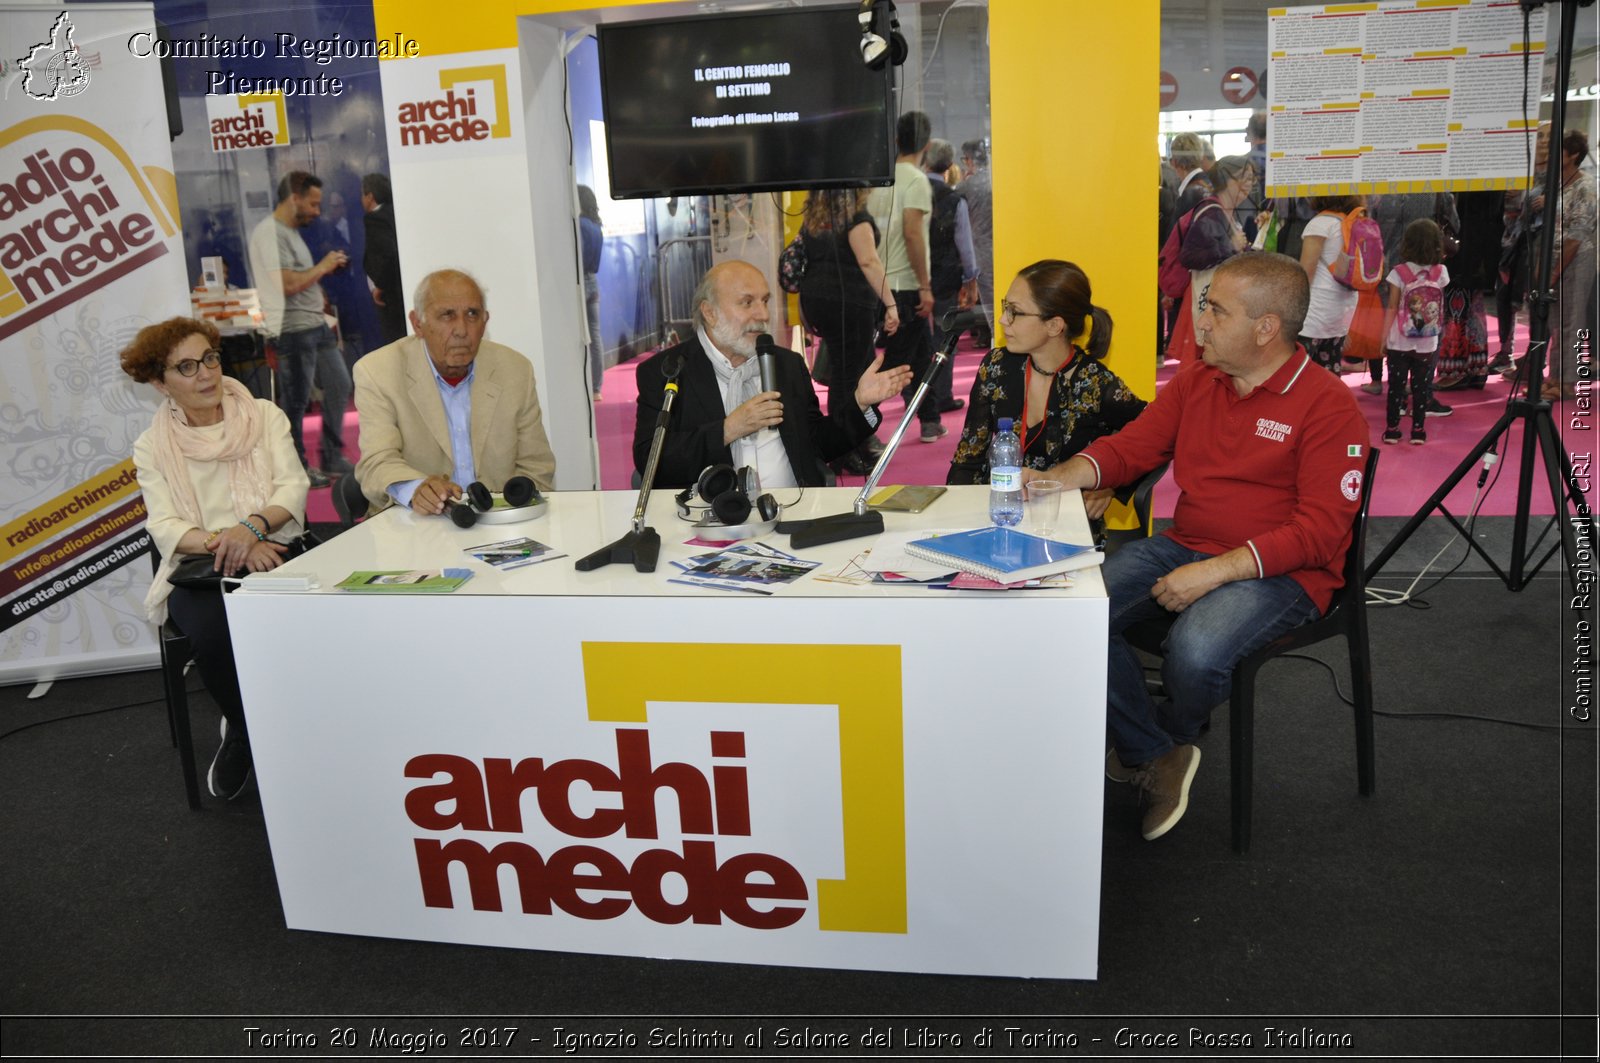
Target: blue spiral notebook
{"x": 1004, "y": 555}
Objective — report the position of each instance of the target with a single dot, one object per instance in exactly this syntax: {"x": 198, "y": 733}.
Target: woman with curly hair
{"x": 220, "y": 477}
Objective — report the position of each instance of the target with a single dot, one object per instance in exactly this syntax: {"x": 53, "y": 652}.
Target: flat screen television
{"x": 743, "y": 102}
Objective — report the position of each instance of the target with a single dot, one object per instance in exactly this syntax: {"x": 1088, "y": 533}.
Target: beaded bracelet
{"x": 266, "y": 525}
{"x": 259, "y": 537}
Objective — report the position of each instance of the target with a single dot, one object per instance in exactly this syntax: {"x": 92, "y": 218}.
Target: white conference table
{"x": 873, "y": 777}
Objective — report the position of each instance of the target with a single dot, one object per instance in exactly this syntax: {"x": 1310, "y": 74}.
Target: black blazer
{"x": 694, "y": 435}
{"x": 381, "y": 262}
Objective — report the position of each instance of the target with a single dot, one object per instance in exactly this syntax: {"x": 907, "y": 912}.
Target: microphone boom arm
{"x": 658, "y": 441}
{"x": 889, "y": 448}
{"x": 641, "y": 547}
{"x": 862, "y": 520}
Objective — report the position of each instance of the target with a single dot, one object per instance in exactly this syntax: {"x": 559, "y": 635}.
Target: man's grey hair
{"x": 1186, "y": 150}
{"x": 423, "y": 295}
{"x": 1273, "y": 284}
{"x": 704, "y": 292}
{"x": 939, "y": 156}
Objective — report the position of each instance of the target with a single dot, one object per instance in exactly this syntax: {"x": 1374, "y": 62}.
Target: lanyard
{"x": 1027, "y": 389}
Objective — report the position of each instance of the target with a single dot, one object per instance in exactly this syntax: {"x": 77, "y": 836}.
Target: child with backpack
{"x": 1341, "y": 251}
{"x": 1411, "y": 325}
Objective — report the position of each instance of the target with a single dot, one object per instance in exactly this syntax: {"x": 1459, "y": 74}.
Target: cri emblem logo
{"x": 455, "y": 117}
{"x": 753, "y": 889}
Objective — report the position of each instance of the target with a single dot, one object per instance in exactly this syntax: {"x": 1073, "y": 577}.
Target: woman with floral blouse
{"x": 1057, "y": 393}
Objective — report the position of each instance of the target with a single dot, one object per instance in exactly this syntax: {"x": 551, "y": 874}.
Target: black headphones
{"x": 727, "y": 491}
{"x": 878, "y": 45}
{"x": 519, "y": 492}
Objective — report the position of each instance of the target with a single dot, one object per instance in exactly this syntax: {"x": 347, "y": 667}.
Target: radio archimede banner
{"x": 90, "y": 252}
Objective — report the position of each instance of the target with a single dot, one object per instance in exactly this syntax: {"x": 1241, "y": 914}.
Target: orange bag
{"x": 1365, "y": 338}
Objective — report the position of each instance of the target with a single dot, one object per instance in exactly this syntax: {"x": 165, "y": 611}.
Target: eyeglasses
{"x": 189, "y": 366}
{"x": 1008, "y": 312}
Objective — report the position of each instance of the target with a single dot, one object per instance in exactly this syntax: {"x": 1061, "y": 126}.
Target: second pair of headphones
{"x": 727, "y": 491}
{"x": 519, "y": 492}
{"x": 881, "y": 41}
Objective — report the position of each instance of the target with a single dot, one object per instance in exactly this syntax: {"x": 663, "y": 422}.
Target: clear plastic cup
{"x": 1043, "y": 507}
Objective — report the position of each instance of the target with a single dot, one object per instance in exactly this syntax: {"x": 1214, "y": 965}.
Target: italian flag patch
{"x": 1353, "y": 450}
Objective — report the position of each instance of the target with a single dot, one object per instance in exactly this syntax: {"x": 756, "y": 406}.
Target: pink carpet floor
{"x": 1406, "y": 478}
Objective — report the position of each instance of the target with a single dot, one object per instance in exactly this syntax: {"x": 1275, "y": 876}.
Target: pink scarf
{"x": 177, "y": 444}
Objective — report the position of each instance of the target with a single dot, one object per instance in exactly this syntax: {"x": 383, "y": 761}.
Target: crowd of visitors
{"x": 1487, "y": 252}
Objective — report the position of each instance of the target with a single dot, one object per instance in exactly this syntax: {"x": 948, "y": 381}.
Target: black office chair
{"x": 1143, "y": 504}
{"x": 1346, "y": 618}
{"x": 349, "y": 501}
{"x": 175, "y": 656}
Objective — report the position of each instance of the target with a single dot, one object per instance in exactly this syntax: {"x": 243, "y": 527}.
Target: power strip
{"x": 274, "y": 583}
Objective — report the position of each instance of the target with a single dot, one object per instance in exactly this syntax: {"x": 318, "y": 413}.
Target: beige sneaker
{"x": 1117, "y": 771}
{"x": 1165, "y": 782}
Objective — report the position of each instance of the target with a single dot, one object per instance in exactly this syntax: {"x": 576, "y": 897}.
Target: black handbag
{"x": 195, "y": 573}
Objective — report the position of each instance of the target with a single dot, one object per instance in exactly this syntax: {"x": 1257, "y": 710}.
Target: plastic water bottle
{"x": 1005, "y": 476}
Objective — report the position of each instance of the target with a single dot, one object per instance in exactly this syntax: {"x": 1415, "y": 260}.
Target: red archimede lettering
{"x": 714, "y": 891}
{"x": 439, "y": 121}
{"x": 640, "y": 782}
{"x": 586, "y": 881}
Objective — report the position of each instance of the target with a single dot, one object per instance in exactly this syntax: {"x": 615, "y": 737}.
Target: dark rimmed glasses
{"x": 191, "y": 366}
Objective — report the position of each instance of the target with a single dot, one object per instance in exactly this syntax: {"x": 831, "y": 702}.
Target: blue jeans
{"x": 1206, "y": 641}
{"x": 300, "y": 355}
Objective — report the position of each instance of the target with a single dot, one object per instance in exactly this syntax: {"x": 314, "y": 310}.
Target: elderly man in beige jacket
{"x": 442, "y": 408}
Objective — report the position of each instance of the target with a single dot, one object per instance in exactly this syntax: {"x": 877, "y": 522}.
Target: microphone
{"x": 958, "y": 320}
{"x": 767, "y": 358}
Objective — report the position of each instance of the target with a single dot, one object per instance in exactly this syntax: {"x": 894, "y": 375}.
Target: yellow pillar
{"x": 1074, "y": 98}
{"x": 447, "y": 29}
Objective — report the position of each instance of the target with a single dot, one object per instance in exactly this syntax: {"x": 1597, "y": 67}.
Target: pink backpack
{"x": 1421, "y": 311}
{"x": 1172, "y": 276}
{"x": 1362, "y": 265}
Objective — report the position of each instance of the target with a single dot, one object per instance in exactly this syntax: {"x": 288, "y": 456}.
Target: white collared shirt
{"x": 457, "y": 399}
{"x": 762, "y": 450}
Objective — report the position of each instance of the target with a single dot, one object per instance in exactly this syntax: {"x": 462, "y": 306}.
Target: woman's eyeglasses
{"x": 1011, "y": 313}
{"x": 189, "y": 366}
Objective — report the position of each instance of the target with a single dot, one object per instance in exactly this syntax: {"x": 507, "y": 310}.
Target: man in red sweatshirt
{"x": 1268, "y": 455}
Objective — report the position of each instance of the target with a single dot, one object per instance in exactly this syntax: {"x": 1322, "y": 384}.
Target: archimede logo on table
{"x": 760, "y": 890}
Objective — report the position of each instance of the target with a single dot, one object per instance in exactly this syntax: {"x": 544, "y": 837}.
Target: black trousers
{"x": 200, "y": 615}
{"x": 912, "y": 344}
{"x": 848, "y": 330}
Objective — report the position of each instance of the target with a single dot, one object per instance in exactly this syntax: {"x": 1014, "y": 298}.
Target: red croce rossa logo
{"x": 488, "y": 798}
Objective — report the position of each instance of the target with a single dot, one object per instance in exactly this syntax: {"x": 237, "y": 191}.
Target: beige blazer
{"x": 403, "y": 431}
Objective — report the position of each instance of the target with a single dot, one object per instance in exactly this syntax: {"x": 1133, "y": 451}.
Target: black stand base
{"x": 835, "y": 529}
{"x": 1539, "y": 440}
{"x": 639, "y": 548}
